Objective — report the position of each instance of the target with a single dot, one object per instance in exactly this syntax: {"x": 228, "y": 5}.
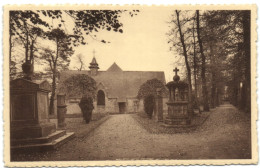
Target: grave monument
{"x": 178, "y": 115}
{"x": 30, "y": 126}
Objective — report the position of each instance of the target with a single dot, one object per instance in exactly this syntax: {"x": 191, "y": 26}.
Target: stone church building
{"x": 116, "y": 89}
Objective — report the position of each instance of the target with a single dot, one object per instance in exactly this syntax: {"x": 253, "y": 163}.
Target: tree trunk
{"x": 10, "y": 46}
{"x": 247, "y": 59}
{"x": 213, "y": 76}
{"x": 194, "y": 65}
{"x": 213, "y": 91}
{"x": 203, "y": 68}
{"x": 53, "y": 92}
{"x": 26, "y": 43}
{"x": 31, "y": 52}
{"x": 186, "y": 61}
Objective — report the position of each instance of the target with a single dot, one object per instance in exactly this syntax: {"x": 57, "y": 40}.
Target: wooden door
{"x": 122, "y": 107}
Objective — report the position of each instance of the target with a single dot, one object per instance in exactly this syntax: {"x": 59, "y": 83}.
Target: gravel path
{"x": 225, "y": 135}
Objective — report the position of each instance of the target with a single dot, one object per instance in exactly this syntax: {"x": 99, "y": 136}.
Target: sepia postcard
{"x": 110, "y": 85}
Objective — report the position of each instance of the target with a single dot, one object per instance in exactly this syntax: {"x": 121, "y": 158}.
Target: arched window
{"x": 100, "y": 98}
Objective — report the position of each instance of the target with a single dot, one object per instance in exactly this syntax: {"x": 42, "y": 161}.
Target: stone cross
{"x": 176, "y": 70}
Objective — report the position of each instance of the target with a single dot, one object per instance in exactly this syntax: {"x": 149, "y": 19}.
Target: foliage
{"x": 218, "y": 51}
{"x": 183, "y": 40}
{"x": 59, "y": 58}
{"x": 149, "y": 88}
{"x": 86, "y": 106}
{"x": 89, "y": 21}
{"x": 78, "y": 85}
{"x": 63, "y": 49}
{"x": 149, "y": 102}
{"x": 147, "y": 91}
{"x": 30, "y": 25}
{"x": 232, "y": 36}
{"x": 27, "y": 25}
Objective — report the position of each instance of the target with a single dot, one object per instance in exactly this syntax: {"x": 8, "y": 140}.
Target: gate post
{"x": 61, "y": 110}
{"x": 159, "y": 104}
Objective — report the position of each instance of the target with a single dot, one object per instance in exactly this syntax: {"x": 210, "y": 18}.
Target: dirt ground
{"x": 224, "y": 135}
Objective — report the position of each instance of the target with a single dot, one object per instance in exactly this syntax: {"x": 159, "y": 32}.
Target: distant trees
{"x": 217, "y": 47}
{"x": 79, "y": 59}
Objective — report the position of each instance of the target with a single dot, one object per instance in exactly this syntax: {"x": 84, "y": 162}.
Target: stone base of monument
{"x": 44, "y": 143}
{"x": 177, "y": 122}
{"x": 30, "y": 127}
{"x": 22, "y": 131}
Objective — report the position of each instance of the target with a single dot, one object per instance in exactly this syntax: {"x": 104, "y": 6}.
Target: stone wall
{"x": 133, "y": 105}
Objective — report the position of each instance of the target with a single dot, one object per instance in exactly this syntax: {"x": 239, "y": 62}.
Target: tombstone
{"x": 30, "y": 127}
{"x": 61, "y": 110}
{"x": 178, "y": 115}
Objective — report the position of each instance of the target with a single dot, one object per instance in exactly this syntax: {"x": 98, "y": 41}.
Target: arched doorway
{"x": 100, "y": 98}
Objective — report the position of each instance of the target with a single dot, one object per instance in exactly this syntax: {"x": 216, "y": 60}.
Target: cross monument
{"x": 176, "y": 70}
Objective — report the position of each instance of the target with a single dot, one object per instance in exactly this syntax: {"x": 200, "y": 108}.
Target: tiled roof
{"x": 119, "y": 84}
{"x": 114, "y": 68}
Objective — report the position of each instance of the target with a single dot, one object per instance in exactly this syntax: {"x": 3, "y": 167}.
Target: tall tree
{"x": 26, "y": 25}
{"x": 246, "y": 18}
{"x": 203, "y": 65}
{"x": 181, "y": 22}
{"x": 194, "y": 60}
{"x": 60, "y": 58}
{"x": 184, "y": 52}
{"x": 233, "y": 34}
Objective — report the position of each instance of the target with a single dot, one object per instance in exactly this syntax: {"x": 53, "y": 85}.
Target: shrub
{"x": 86, "y": 106}
{"x": 149, "y": 105}
{"x": 147, "y": 91}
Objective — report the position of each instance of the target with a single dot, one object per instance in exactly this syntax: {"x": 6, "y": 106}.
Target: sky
{"x": 143, "y": 45}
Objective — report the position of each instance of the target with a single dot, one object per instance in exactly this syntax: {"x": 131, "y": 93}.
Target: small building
{"x": 116, "y": 89}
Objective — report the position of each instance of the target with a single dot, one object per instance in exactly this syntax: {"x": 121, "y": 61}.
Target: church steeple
{"x": 93, "y": 65}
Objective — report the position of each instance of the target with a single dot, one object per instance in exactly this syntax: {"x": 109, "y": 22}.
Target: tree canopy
{"x": 216, "y": 46}
{"x": 31, "y": 25}
{"x": 78, "y": 85}
{"x": 149, "y": 88}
